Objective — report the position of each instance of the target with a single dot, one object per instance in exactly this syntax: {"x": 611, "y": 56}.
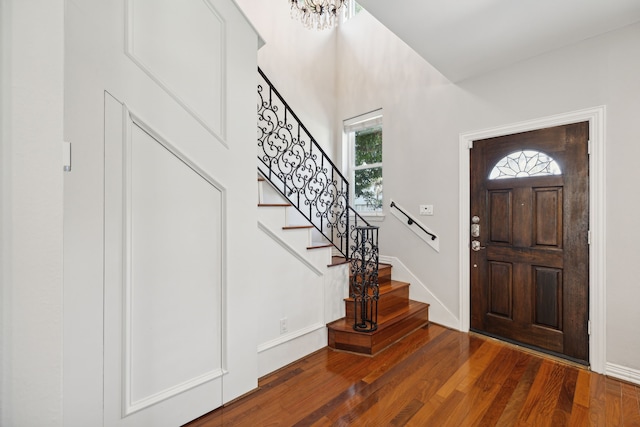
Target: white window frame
{"x": 350, "y": 10}
{"x": 350, "y": 126}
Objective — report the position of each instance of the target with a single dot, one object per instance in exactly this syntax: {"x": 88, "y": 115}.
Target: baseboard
{"x": 288, "y": 348}
{"x": 438, "y": 312}
{"x": 623, "y": 373}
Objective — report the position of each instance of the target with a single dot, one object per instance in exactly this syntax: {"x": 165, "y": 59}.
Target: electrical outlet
{"x": 283, "y": 326}
{"x": 426, "y": 209}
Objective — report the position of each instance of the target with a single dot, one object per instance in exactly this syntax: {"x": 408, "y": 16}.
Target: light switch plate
{"x": 426, "y": 209}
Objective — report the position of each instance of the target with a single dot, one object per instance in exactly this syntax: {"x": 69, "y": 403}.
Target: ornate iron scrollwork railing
{"x": 293, "y": 162}
{"x": 364, "y": 278}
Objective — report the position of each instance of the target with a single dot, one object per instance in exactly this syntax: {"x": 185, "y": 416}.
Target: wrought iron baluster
{"x": 291, "y": 159}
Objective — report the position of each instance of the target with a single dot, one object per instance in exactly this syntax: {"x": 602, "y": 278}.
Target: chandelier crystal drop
{"x": 318, "y": 14}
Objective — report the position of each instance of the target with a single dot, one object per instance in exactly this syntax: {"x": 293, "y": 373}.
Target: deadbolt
{"x": 475, "y": 226}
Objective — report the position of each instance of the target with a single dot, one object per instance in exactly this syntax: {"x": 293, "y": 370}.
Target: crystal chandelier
{"x": 319, "y": 14}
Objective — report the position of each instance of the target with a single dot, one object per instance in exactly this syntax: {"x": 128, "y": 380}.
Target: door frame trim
{"x": 597, "y": 213}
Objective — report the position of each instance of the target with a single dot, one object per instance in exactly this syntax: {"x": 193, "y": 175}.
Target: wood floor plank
{"x": 510, "y": 414}
{"x": 579, "y": 416}
{"x": 441, "y": 367}
{"x": 564, "y": 405}
{"x": 582, "y": 394}
{"x": 469, "y": 370}
{"x": 543, "y": 396}
{"x": 400, "y": 388}
{"x": 485, "y": 389}
{"x": 613, "y": 402}
{"x": 434, "y": 377}
{"x": 509, "y": 386}
{"x": 597, "y": 401}
{"x": 630, "y": 414}
{"x": 406, "y": 413}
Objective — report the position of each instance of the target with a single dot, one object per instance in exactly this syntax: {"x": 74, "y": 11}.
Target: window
{"x": 351, "y": 10}
{"x": 364, "y": 152}
{"x": 524, "y": 164}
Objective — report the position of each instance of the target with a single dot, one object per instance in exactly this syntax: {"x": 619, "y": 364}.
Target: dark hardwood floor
{"x": 434, "y": 377}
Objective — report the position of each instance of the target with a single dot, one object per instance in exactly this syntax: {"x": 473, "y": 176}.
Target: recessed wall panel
{"x": 181, "y": 45}
{"x": 174, "y": 267}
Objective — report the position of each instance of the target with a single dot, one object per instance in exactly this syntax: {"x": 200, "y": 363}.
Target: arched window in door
{"x": 523, "y": 164}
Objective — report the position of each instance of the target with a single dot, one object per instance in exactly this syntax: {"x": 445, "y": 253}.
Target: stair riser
{"x": 387, "y": 301}
{"x": 297, "y": 237}
{"x": 384, "y": 275}
{"x": 375, "y": 342}
{"x": 272, "y": 216}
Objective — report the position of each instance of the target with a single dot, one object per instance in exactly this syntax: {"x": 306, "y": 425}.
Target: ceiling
{"x": 466, "y": 38}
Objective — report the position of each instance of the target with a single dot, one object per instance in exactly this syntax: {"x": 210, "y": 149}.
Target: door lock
{"x": 475, "y": 226}
{"x": 475, "y": 245}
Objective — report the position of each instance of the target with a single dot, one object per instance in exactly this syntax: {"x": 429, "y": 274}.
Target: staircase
{"x": 378, "y": 311}
{"x": 397, "y": 317}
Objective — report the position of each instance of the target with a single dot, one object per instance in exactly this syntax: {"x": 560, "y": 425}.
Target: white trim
{"x": 129, "y": 405}
{"x": 363, "y": 121}
{"x": 623, "y": 373}
{"x": 266, "y": 230}
{"x": 290, "y": 336}
{"x": 349, "y": 128}
{"x": 597, "y": 215}
{"x": 129, "y": 50}
{"x": 438, "y": 312}
{"x": 435, "y": 244}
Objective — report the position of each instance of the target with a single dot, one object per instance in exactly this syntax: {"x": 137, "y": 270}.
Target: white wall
{"x": 379, "y": 71}
{"x": 424, "y": 115}
{"x": 299, "y": 62}
{"x": 32, "y": 111}
{"x": 600, "y": 71}
{"x": 296, "y": 285}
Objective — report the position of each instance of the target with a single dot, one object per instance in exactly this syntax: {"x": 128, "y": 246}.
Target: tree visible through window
{"x": 364, "y": 135}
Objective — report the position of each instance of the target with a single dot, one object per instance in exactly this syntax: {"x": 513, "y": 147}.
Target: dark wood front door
{"x": 530, "y": 255}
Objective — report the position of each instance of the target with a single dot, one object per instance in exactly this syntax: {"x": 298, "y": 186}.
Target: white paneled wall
{"x": 299, "y": 294}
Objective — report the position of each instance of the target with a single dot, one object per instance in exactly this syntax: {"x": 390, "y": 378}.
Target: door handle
{"x": 475, "y": 245}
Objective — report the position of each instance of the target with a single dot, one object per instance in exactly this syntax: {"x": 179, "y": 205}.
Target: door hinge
{"x": 589, "y": 146}
{"x": 66, "y": 156}
{"x": 589, "y": 237}
{"x": 588, "y": 327}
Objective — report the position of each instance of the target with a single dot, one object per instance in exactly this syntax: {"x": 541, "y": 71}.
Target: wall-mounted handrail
{"x": 411, "y": 221}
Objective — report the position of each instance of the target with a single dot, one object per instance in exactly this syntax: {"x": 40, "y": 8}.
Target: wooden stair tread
{"x": 320, "y": 245}
{"x": 385, "y": 320}
{"x": 392, "y": 327}
{"x": 392, "y": 285}
{"x": 338, "y": 260}
{"x": 274, "y": 205}
{"x": 296, "y": 227}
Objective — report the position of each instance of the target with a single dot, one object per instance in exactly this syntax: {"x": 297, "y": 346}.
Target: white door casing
{"x": 157, "y": 207}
